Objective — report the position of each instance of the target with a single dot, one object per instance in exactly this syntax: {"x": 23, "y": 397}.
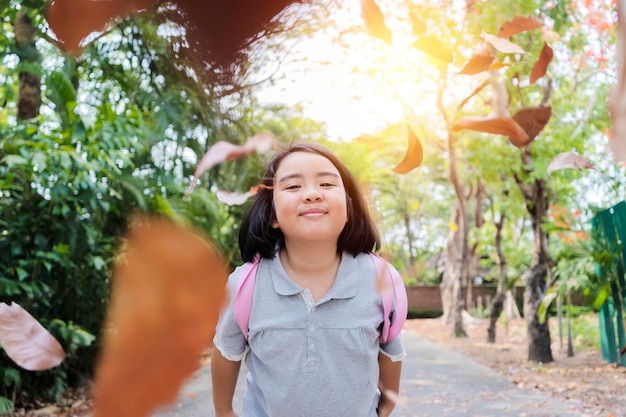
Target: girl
{"x": 313, "y": 341}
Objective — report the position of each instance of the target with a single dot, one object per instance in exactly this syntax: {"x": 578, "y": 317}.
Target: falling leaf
{"x": 87, "y": 17}
{"x": 375, "y": 21}
{"x": 517, "y": 25}
{"x": 532, "y": 120}
{"x": 168, "y": 287}
{"x": 499, "y": 125}
{"x": 418, "y": 25}
{"x": 541, "y": 66}
{"x": 225, "y": 151}
{"x": 233, "y": 199}
{"x": 413, "y": 157}
{"x": 569, "y": 160}
{"x": 26, "y": 341}
{"x": 498, "y": 65}
{"x": 433, "y": 47}
{"x": 479, "y": 62}
{"x": 502, "y": 45}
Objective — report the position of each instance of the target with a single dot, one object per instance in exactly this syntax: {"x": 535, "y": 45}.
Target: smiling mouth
{"x": 313, "y": 212}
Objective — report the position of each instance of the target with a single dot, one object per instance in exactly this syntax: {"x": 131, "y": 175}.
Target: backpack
{"x": 392, "y": 292}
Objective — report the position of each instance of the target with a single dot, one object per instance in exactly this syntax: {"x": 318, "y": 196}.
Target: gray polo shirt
{"x": 306, "y": 358}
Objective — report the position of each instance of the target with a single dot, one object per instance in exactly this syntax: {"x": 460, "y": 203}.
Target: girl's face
{"x": 309, "y": 199}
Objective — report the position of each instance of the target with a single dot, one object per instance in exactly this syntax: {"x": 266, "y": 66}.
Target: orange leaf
{"x": 87, "y": 17}
{"x": 26, "y": 341}
{"x": 375, "y": 21}
{"x": 498, "y": 125}
{"x": 541, "y": 66}
{"x": 497, "y": 65}
{"x": 479, "y": 62}
{"x": 502, "y": 44}
{"x": 224, "y": 151}
{"x": 168, "y": 287}
{"x": 433, "y": 47}
{"x": 532, "y": 120}
{"x": 569, "y": 160}
{"x": 413, "y": 157}
{"x": 517, "y": 25}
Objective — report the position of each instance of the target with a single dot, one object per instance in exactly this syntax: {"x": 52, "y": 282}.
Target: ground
{"x": 599, "y": 387}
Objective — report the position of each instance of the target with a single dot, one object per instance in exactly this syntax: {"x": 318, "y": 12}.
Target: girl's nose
{"x": 312, "y": 194}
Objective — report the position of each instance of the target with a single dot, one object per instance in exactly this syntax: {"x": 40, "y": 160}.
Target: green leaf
{"x": 11, "y": 377}
{"x": 39, "y": 160}
{"x": 62, "y": 249}
{"x": 99, "y": 263}
{"x": 11, "y": 160}
{"x": 6, "y": 406}
{"x": 603, "y": 294}
{"x": 21, "y": 273}
{"x": 542, "y": 311}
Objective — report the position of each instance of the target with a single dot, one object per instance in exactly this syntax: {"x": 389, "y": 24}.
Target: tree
{"x": 118, "y": 130}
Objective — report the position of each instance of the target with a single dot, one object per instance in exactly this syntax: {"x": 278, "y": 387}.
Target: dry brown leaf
{"x": 569, "y": 160}
{"x": 375, "y": 21}
{"x": 502, "y": 45}
{"x": 72, "y": 21}
{"x": 26, "y": 341}
{"x": 498, "y": 125}
{"x": 517, "y": 25}
{"x": 413, "y": 157}
{"x": 225, "y": 151}
{"x": 435, "y": 48}
{"x": 479, "y": 62}
{"x": 532, "y": 120}
{"x": 168, "y": 287}
{"x": 541, "y": 66}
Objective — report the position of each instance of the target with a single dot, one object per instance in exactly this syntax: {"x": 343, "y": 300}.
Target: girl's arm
{"x": 388, "y": 383}
{"x": 224, "y": 378}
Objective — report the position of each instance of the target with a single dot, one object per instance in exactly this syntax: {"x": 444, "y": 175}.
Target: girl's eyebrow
{"x": 318, "y": 175}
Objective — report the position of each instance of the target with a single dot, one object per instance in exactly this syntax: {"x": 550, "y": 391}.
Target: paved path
{"x": 435, "y": 383}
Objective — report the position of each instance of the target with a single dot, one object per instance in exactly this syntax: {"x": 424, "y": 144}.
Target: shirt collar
{"x": 345, "y": 285}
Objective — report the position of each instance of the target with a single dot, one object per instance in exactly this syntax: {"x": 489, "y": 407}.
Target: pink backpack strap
{"x": 244, "y": 294}
{"x": 393, "y": 293}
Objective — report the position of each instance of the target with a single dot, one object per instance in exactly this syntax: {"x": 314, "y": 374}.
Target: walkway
{"x": 435, "y": 383}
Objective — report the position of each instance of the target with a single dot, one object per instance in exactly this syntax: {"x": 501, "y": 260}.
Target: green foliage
{"x": 586, "y": 266}
{"x": 6, "y": 405}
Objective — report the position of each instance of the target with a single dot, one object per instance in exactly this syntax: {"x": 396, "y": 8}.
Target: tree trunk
{"x": 538, "y": 333}
{"x": 535, "y": 196}
{"x": 498, "y": 302}
{"x": 29, "y": 99}
{"x": 454, "y": 283}
{"x": 497, "y": 305}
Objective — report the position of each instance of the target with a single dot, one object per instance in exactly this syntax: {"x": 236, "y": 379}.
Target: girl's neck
{"x": 310, "y": 261}
{"x": 313, "y": 269}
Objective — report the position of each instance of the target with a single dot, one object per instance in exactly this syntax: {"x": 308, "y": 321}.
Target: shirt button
{"x": 312, "y": 327}
{"x": 312, "y": 346}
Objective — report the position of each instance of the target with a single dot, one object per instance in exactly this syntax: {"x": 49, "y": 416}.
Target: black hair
{"x": 256, "y": 234}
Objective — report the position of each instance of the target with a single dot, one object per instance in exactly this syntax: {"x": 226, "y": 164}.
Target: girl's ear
{"x": 275, "y": 224}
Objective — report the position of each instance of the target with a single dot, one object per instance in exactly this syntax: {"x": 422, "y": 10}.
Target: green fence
{"x": 611, "y": 225}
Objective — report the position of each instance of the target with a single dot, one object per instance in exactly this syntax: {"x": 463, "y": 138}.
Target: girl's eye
{"x": 292, "y": 187}
{"x": 327, "y": 184}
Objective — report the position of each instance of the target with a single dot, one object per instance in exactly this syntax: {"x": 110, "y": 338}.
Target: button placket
{"x": 312, "y": 355}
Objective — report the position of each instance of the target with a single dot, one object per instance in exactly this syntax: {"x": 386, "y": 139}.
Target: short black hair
{"x": 256, "y": 234}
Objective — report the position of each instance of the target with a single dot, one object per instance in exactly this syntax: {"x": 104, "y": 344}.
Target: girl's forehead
{"x": 305, "y": 162}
